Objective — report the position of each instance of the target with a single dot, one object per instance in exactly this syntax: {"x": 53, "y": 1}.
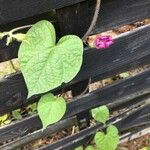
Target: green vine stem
{"x": 10, "y": 34}
{"x": 20, "y": 28}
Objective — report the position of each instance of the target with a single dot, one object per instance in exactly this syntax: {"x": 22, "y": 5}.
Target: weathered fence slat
{"x": 130, "y": 50}
{"x": 81, "y": 138}
{"x": 122, "y": 55}
{"x": 127, "y": 89}
{"x": 62, "y": 125}
{"x": 114, "y": 13}
{"x": 23, "y": 127}
{"x": 121, "y": 12}
{"x": 124, "y": 124}
{"x": 124, "y": 92}
{"x": 16, "y": 10}
{"x": 106, "y": 21}
{"x": 76, "y": 19}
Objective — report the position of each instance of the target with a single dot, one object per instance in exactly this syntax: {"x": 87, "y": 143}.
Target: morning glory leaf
{"x": 101, "y": 114}
{"x": 51, "y": 109}
{"x": 46, "y": 64}
{"x": 107, "y": 141}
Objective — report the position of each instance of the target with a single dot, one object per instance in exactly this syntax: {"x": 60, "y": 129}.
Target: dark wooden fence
{"x": 131, "y": 49}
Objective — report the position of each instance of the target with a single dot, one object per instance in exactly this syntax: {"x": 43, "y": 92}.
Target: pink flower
{"x": 103, "y": 41}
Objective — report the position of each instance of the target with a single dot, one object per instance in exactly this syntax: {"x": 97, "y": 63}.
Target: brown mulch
{"x": 136, "y": 144}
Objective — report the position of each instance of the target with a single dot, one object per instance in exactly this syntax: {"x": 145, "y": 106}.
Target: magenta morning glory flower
{"x": 103, "y": 41}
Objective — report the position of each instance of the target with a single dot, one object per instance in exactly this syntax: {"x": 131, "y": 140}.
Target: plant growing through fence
{"x": 46, "y": 64}
{"x": 103, "y": 141}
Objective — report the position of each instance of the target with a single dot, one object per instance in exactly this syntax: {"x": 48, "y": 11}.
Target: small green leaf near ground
{"x": 108, "y": 141}
{"x": 101, "y": 114}
{"x": 51, "y": 109}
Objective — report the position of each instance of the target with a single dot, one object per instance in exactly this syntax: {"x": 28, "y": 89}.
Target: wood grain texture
{"x": 62, "y": 125}
{"x": 125, "y": 92}
{"x": 130, "y": 50}
{"x": 20, "y": 128}
{"x": 76, "y": 19}
{"x": 15, "y": 10}
{"x": 123, "y": 55}
{"x": 139, "y": 117}
{"x": 115, "y": 13}
{"x": 119, "y": 91}
{"x": 83, "y": 136}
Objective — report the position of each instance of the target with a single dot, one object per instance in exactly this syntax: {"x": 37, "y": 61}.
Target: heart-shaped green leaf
{"x": 101, "y": 114}
{"x": 46, "y": 65}
{"x": 107, "y": 141}
{"x": 51, "y": 109}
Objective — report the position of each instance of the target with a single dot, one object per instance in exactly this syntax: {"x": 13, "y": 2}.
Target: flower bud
{"x": 103, "y": 41}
